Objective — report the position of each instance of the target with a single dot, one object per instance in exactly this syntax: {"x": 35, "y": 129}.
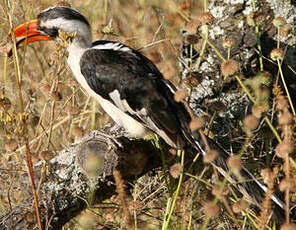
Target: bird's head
{"x": 52, "y": 20}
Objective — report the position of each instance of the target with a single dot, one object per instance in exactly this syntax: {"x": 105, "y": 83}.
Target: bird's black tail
{"x": 249, "y": 186}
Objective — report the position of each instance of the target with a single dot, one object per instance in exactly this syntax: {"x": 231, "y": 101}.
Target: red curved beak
{"x": 27, "y": 33}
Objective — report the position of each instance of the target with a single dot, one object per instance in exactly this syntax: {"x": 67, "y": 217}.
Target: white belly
{"x": 135, "y": 128}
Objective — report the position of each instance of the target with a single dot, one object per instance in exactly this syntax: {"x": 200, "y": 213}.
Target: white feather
{"x": 170, "y": 86}
{"x": 113, "y": 46}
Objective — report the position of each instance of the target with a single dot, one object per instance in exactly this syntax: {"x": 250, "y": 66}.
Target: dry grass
{"x": 57, "y": 112}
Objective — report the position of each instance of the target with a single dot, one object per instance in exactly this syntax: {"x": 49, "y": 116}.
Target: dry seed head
{"x": 285, "y": 118}
{"x": 35, "y": 158}
{"x": 263, "y": 94}
{"x": 229, "y": 67}
{"x": 135, "y": 205}
{"x": 192, "y": 25}
{"x": 56, "y": 96}
{"x": 184, "y": 5}
{"x": 250, "y": 19}
{"x": 276, "y": 54}
{"x": 194, "y": 79}
{"x": 73, "y": 110}
{"x": 169, "y": 72}
{"x": 175, "y": 170}
{"x": 284, "y": 149}
{"x": 210, "y": 156}
{"x": 155, "y": 56}
{"x": 196, "y": 123}
{"x": 259, "y": 109}
{"x": 46, "y": 155}
{"x": 5, "y": 48}
{"x": 255, "y": 18}
{"x": 5, "y": 104}
{"x": 216, "y": 191}
{"x": 240, "y": 206}
{"x": 287, "y": 184}
{"x": 206, "y": 18}
{"x": 191, "y": 38}
{"x": 180, "y": 95}
{"x": 267, "y": 75}
{"x": 109, "y": 216}
{"x": 63, "y": 3}
{"x": 234, "y": 163}
{"x": 77, "y": 131}
{"x": 173, "y": 151}
{"x": 267, "y": 175}
{"x": 288, "y": 226}
{"x": 251, "y": 122}
{"x": 259, "y": 19}
{"x": 45, "y": 89}
{"x": 10, "y": 145}
{"x": 279, "y": 21}
{"x": 211, "y": 210}
{"x": 285, "y": 30}
{"x": 87, "y": 220}
{"x": 228, "y": 43}
{"x": 17, "y": 195}
{"x": 281, "y": 103}
{"x": 191, "y": 82}
{"x": 264, "y": 78}
{"x": 30, "y": 217}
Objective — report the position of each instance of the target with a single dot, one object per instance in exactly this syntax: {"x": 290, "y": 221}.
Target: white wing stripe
{"x": 141, "y": 114}
{"x": 115, "y": 96}
{"x": 113, "y": 46}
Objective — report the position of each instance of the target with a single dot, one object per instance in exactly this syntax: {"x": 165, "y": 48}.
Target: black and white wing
{"x": 133, "y": 84}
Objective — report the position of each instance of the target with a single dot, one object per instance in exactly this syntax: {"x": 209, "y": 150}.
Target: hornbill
{"x": 130, "y": 88}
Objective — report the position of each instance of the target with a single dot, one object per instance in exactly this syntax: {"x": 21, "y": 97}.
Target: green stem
{"x": 176, "y": 194}
{"x": 190, "y": 220}
{"x": 245, "y": 88}
{"x": 176, "y": 8}
{"x": 205, "y": 5}
{"x": 275, "y": 133}
{"x": 285, "y": 86}
{"x": 93, "y": 115}
{"x": 258, "y": 39}
{"x": 213, "y": 47}
{"x": 168, "y": 206}
{"x": 228, "y": 53}
{"x": 278, "y": 37}
{"x": 259, "y": 47}
{"x": 4, "y": 75}
{"x": 203, "y": 48}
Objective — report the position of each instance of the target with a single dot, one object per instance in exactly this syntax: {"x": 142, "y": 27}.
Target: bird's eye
{"x": 52, "y": 32}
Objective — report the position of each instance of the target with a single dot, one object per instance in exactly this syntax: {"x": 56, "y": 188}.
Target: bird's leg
{"x": 157, "y": 142}
{"x": 154, "y": 138}
{"x": 179, "y": 152}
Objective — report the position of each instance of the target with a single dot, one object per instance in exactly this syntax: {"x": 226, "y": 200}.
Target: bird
{"x": 129, "y": 87}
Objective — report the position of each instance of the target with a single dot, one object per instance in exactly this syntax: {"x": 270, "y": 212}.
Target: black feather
{"x": 140, "y": 83}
